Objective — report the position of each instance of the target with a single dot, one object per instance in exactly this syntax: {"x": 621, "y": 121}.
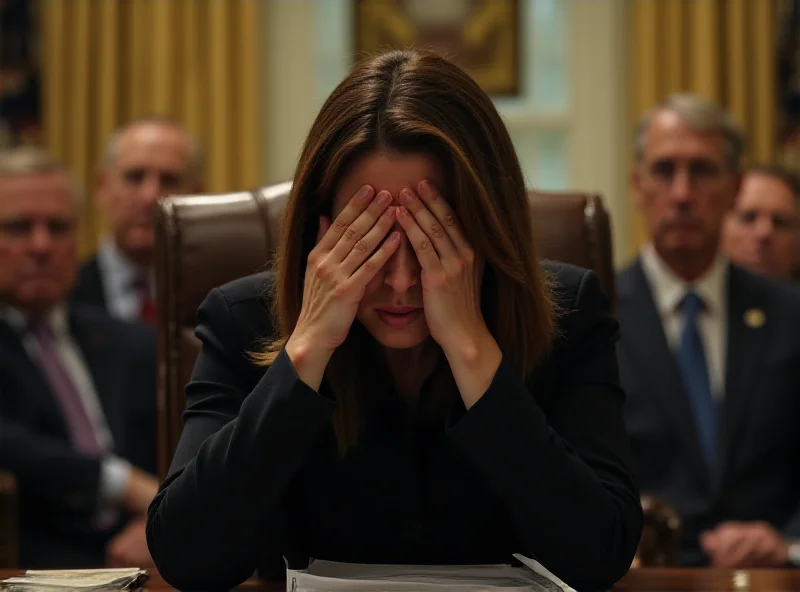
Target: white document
{"x": 85, "y": 580}
{"x": 330, "y": 576}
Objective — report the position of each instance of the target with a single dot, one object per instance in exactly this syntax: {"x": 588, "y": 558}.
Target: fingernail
{"x": 401, "y": 211}
{"x": 394, "y": 237}
{"x": 425, "y": 189}
{"x": 384, "y": 197}
{"x": 390, "y": 211}
{"x": 365, "y": 193}
{"x": 407, "y": 196}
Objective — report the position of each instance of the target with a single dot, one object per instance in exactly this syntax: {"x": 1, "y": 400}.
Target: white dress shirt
{"x": 668, "y": 291}
{"x": 119, "y": 276}
{"x": 115, "y": 471}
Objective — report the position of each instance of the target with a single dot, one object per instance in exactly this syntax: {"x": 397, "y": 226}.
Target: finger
{"x": 354, "y": 208}
{"x": 444, "y": 214}
{"x": 743, "y": 552}
{"x": 361, "y": 226}
{"x": 422, "y": 245}
{"x": 324, "y": 225}
{"x": 364, "y": 247}
{"x": 371, "y": 266}
{"x": 429, "y": 225}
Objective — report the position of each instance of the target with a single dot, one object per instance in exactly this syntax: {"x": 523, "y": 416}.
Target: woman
{"x": 410, "y": 385}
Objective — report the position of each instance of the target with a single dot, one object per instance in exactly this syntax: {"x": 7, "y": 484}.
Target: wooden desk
{"x": 638, "y": 580}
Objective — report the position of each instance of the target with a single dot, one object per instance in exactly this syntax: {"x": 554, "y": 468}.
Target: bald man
{"x": 145, "y": 160}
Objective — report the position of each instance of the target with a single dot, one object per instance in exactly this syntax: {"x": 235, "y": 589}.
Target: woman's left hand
{"x": 451, "y": 289}
{"x": 451, "y": 273}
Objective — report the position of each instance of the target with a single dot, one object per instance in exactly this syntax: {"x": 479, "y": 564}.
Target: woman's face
{"x": 391, "y": 309}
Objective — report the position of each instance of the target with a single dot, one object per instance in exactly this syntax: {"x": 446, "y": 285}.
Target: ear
{"x": 635, "y": 180}
{"x": 736, "y": 181}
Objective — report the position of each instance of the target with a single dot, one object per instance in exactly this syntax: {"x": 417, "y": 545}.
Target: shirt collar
{"x": 117, "y": 266}
{"x": 669, "y": 289}
{"x": 57, "y": 319}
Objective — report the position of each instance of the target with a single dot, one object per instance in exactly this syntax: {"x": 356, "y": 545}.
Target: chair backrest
{"x": 206, "y": 241}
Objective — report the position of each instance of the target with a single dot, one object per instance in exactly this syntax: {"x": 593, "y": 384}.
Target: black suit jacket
{"x": 540, "y": 466}
{"x": 58, "y": 486}
{"x": 89, "y": 286}
{"x": 758, "y": 473}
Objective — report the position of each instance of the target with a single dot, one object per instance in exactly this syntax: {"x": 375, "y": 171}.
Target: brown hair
{"x": 417, "y": 102}
{"x": 780, "y": 173}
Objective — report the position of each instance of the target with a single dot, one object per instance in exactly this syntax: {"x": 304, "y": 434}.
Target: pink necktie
{"x": 81, "y": 431}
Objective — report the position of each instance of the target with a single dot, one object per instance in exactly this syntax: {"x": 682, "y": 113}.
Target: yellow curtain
{"x": 720, "y": 49}
{"x": 108, "y": 61}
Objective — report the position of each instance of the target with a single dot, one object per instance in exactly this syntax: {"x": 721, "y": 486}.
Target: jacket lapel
{"x": 655, "y": 363}
{"x": 748, "y": 329}
{"x": 18, "y": 367}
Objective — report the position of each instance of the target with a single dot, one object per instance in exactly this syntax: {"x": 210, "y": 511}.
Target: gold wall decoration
{"x": 481, "y": 36}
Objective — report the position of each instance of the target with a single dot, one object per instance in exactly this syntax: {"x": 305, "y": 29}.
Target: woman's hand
{"x": 451, "y": 286}
{"x": 451, "y": 274}
{"x": 347, "y": 256}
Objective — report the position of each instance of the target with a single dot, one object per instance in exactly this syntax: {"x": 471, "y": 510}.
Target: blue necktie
{"x": 692, "y": 362}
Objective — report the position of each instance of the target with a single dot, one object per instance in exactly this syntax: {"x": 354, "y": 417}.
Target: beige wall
{"x": 597, "y": 114}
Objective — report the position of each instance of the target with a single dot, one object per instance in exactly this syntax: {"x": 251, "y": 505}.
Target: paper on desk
{"x": 330, "y": 576}
{"x": 84, "y": 580}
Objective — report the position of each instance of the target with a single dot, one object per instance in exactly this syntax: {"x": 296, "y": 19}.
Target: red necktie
{"x": 147, "y": 304}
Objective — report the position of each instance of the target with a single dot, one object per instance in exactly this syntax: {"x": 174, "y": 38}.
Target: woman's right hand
{"x": 344, "y": 260}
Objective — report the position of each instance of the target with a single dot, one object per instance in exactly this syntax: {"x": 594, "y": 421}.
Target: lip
{"x": 398, "y": 317}
{"x": 398, "y": 309}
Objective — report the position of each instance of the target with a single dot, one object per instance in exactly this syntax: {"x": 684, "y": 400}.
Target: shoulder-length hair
{"x": 414, "y": 102}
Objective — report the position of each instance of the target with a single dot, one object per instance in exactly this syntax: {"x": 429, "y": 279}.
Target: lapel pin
{"x": 754, "y": 318}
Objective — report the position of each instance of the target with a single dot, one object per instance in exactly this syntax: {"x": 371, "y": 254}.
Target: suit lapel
{"x": 94, "y": 341}
{"x": 748, "y": 329}
{"x": 22, "y": 370}
{"x": 655, "y": 362}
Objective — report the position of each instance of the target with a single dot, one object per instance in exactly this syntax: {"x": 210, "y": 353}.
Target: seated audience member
{"x": 145, "y": 160}
{"x": 77, "y": 387}
{"x": 410, "y": 385}
{"x": 760, "y": 233}
{"x": 710, "y": 352}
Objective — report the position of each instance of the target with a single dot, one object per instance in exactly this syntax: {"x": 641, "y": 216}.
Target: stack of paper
{"x": 84, "y": 580}
{"x": 329, "y": 576}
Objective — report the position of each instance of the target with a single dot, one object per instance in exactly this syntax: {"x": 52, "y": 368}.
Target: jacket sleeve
{"x": 241, "y": 446}
{"x": 565, "y": 474}
{"x": 49, "y": 470}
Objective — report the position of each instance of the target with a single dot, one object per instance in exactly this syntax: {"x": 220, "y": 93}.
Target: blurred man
{"x": 144, "y": 161}
{"x": 760, "y": 233}
{"x": 77, "y": 387}
{"x": 710, "y": 353}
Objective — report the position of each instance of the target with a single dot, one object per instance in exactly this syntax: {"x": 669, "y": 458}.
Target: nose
{"x": 402, "y": 269}
{"x": 41, "y": 241}
{"x": 764, "y": 228}
{"x": 681, "y": 186}
{"x": 151, "y": 189}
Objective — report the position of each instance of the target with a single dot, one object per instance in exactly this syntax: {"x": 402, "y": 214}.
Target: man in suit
{"x": 77, "y": 387}
{"x": 760, "y": 232}
{"x": 145, "y": 160}
{"x": 710, "y": 352}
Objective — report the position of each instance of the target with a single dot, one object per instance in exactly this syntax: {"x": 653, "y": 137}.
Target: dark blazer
{"x": 540, "y": 466}
{"x": 58, "y": 486}
{"x": 89, "y": 286}
{"x": 758, "y": 474}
